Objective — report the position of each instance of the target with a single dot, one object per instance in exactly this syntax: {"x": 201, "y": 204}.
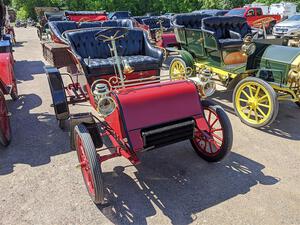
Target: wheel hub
{"x": 253, "y": 103}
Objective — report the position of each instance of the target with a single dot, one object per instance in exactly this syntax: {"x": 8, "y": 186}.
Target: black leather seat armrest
{"x": 152, "y": 51}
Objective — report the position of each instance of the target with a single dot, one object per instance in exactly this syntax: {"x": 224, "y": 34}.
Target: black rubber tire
{"x": 298, "y": 103}
{"x": 80, "y": 131}
{"x": 274, "y": 99}
{"x": 227, "y": 133}
{"x": 5, "y": 141}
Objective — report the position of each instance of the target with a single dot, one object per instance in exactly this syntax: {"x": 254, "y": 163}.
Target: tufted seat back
{"x": 139, "y": 19}
{"x": 153, "y": 22}
{"x": 118, "y": 23}
{"x": 84, "y": 44}
{"x": 56, "y": 18}
{"x": 227, "y": 32}
{"x": 63, "y": 26}
{"x": 222, "y": 26}
{"x": 189, "y": 20}
{"x": 85, "y": 25}
{"x": 59, "y": 27}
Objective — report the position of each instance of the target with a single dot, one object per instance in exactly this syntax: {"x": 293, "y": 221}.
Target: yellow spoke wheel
{"x": 255, "y": 102}
{"x": 177, "y": 69}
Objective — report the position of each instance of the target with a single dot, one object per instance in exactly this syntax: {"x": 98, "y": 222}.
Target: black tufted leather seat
{"x": 189, "y": 20}
{"x": 56, "y": 18}
{"x": 118, "y": 23}
{"x": 139, "y": 19}
{"x": 85, "y": 25}
{"x": 228, "y": 31}
{"x": 95, "y": 56}
{"x": 153, "y": 22}
{"x": 59, "y": 27}
{"x": 119, "y": 15}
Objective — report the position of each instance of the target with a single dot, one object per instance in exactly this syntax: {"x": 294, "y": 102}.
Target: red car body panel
{"x": 7, "y": 71}
{"x": 164, "y": 98}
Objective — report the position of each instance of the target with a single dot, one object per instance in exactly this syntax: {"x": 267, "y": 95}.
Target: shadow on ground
{"x": 33, "y": 147}
{"x": 284, "y": 126}
{"x": 179, "y": 189}
{"x": 19, "y": 44}
{"x": 25, "y": 70}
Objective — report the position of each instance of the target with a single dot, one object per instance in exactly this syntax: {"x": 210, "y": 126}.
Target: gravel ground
{"x": 258, "y": 183}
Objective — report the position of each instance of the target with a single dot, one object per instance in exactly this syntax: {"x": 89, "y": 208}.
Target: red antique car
{"x": 8, "y": 83}
{"x": 136, "y": 108}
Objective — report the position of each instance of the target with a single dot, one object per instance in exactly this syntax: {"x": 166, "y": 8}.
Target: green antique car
{"x": 221, "y": 50}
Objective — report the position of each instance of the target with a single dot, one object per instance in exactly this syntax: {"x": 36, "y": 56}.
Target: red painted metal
{"x": 87, "y": 18}
{"x": 149, "y": 105}
{"x": 55, "y": 39}
{"x": 7, "y": 71}
{"x": 167, "y": 40}
{"x": 154, "y": 104}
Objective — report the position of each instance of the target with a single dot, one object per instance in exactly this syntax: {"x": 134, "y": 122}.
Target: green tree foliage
{"x": 25, "y": 8}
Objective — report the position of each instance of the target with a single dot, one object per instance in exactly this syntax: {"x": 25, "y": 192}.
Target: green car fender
{"x": 187, "y": 58}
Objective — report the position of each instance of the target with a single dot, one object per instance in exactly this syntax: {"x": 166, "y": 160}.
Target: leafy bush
{"x": 22, "y": 14}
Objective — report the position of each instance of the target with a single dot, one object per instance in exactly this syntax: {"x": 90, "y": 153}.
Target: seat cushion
{"x": 222, "y": 25}
{"x": 96, "y": 67}
{"x": 153, "y": 22}
{"x": 230, "y": 43}
{"x": 59, "y": 27}
{"x": 118, "y": 23}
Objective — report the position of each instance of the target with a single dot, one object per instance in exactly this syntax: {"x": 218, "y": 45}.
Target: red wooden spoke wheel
{"x": 89, "y": 163}
{"x": 213, "y": 145}
{"x": 5, "y": 129}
